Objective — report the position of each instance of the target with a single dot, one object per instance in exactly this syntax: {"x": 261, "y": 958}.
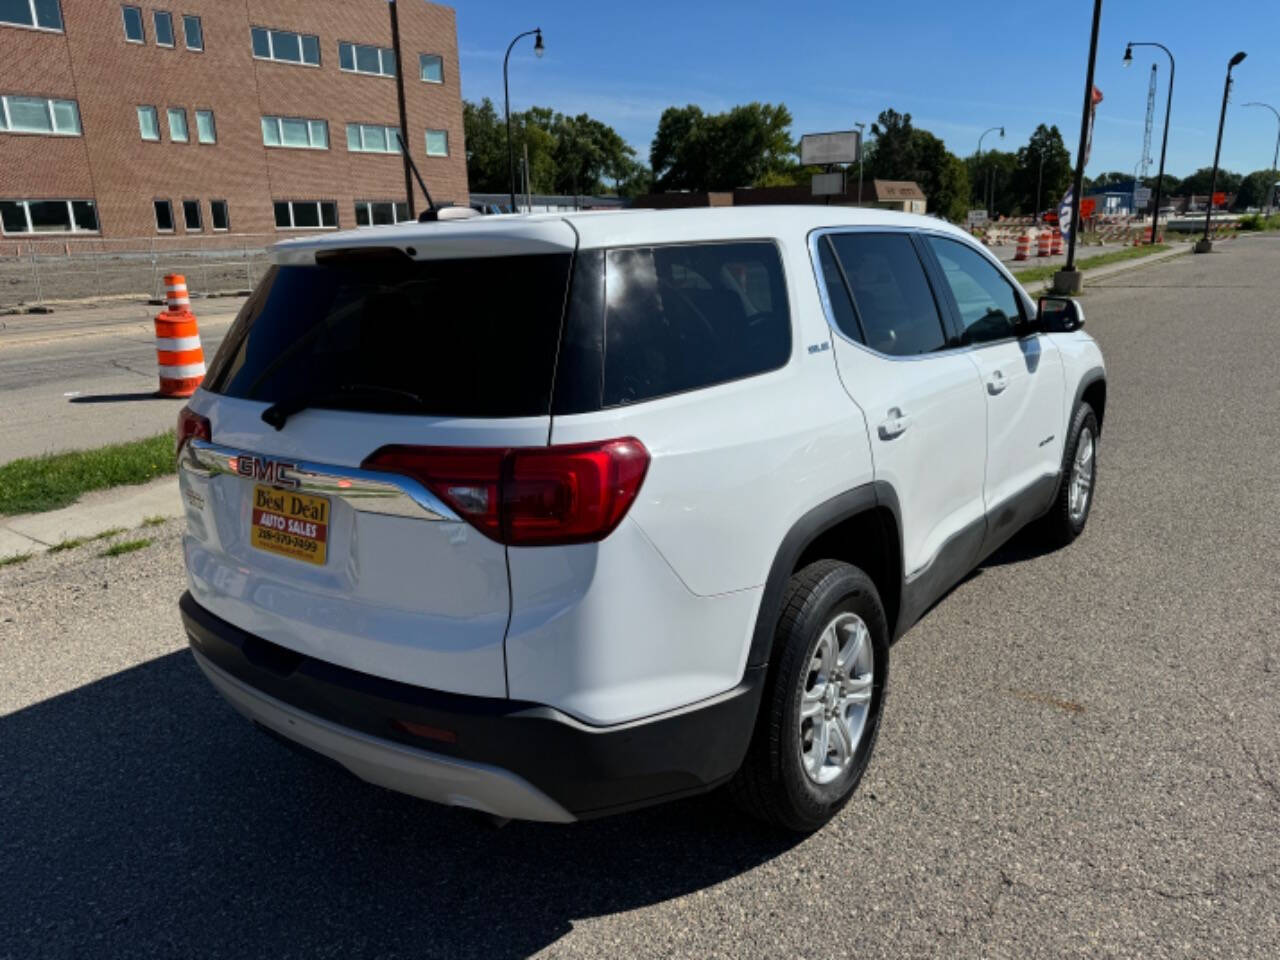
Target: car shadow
{"x": 119, "y": 397}
{"x": 142, "y": 816}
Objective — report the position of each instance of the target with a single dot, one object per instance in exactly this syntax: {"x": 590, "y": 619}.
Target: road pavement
{"x": 1079, "y": 754}
{"x": 82, "y": 377}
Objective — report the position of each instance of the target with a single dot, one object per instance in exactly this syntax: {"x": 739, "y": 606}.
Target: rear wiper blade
{"x": 279, "y": 412}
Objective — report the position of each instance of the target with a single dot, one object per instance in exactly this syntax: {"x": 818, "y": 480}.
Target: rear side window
{"x": 378, "y": 331}
{"x": 677, "y": 318}
{"x": 888, "y": 291}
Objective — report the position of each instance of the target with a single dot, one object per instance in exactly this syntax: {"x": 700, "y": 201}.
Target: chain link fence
{"x": 62, "y": 269}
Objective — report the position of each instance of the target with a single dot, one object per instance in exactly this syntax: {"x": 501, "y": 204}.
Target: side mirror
{"x": 1058, "y": 315}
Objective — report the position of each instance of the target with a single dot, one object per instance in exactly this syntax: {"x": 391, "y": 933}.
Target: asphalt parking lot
{"x": 1080, "y": 753}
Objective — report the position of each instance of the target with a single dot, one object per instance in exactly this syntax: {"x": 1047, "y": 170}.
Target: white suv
{"x": 555, "y": 516}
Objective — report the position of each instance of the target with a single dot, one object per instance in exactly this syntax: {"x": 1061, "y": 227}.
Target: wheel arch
{"x": 1091, "y": 389}
{"x": 861, "y": 526}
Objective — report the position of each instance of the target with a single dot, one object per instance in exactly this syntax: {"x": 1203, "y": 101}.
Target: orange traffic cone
{"x": 178, "y": 352}
{"x": 1024, "y": 248}
{"x": 1044, "y": 244}
{"x": 1057, "y": 243}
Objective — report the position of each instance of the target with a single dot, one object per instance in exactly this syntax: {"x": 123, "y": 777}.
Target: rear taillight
{"x": 529, "y": 496}
{"x": 192, "y": 425}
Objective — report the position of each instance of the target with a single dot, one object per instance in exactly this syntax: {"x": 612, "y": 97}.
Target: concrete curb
{"x": 1098, "y": 273}
{"x": 93, "y": 514}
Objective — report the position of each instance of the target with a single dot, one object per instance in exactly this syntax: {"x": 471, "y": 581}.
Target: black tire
{"x": 772, "y": 784}
{"x": 1058, "y": 528}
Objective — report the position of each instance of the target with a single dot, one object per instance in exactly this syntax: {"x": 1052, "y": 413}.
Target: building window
{"x": 133, "y": 24}
{"x": 39, "y": 115}
{"x": 148, "y": 123}
{"x": 162, "y": 23}
{"x": 375, "y": 61}
{"x": 191, "y": 216}
{"x": 218, "y": 213}
{"x": 164, "y": 216}
{"x": 178, "y": 124}
{"x": 437, "y": 143}
{"x": 431, "y": 68}
{"x": 193, "y": 32}
{"x": 285, "y": 46}
{"x": 42, "y": 14}
{"x": 48, "y": 216}
{"x": 376, "y": 213}
{"x": 295, "y": 132}
{"x": 206, "y": 131}
{"x": 372, "y": 138}
{"x": 306, "y": 214}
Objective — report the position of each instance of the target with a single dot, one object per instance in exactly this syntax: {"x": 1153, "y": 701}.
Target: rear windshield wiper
{"x": 279, "y": 412}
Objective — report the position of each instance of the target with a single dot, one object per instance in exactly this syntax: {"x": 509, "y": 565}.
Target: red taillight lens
{"x": 530, "y": 496}
{"x": 192, "y": 425}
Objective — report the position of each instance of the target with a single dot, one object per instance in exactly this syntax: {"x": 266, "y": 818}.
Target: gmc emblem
{"x": 274, "y": 472}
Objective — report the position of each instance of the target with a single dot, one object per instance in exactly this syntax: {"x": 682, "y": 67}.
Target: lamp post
{"x": 1039, "y": 183}
{"x": 1275, "y": 157}
{"x": 861, "y": 127}
{"x": 1067, "y": 280}
{"x": 1206, "y": 245}
{"x": 506, "y": 102}
{"x": 1164, "y": 142}
{"x": 986, "y": 202}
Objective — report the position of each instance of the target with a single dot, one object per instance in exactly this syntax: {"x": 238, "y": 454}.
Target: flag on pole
{"x": 1093, "y": 107}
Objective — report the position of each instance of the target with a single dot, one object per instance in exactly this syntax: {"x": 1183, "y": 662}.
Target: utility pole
{"x": 404, "y": 117}
{"x": 1068, "y": 279}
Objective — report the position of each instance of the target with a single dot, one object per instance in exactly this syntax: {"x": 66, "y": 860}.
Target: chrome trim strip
{"x": 367, "y": 491}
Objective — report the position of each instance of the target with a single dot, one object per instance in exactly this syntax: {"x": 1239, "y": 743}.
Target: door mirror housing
{"x": 1058, "y": 315}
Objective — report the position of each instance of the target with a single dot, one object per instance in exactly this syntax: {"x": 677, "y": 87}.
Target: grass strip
{"x": 34, "y": 484}
{"x": 1032, "y": 274}
{"x": 81, "y": 541}
{"x": 153, "y": 521}
{"x": 126, "y": 546}
{"x": 15, "y": 558}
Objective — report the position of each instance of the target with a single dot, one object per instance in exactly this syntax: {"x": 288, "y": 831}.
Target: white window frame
{"x": 173, "y": 222}
{"x": 368, "y": 207}
{"x": 434, "y": 56}
{"x": 271, "y": 47}
{"x": 355, "y": 67}
{"x": 155, "y": 114}
{"x": 319, "y": 214}
{"x": 310, "y": 138}
{"x": 213, "y": 126}
{"x": 173, "y": 36}
{"x": 226, "y": 209}
{"x": 142, "y": 23}
{"x": 33, "y": 25}
{"x": 71, "y": 217}
{"x": 7, "y": 119}
{"x": 427, "y": 143}
{"x": 185, "y": 40}
{"x": 387, "y": 131}
{"x": 186, "y": 124}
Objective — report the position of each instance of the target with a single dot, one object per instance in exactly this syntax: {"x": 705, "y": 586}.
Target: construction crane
{"x": 1145, "y": 163}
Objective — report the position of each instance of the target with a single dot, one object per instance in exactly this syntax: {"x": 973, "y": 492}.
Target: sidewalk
{"x": 107, "y": 318}
{"x": 93, "y": 514}
{"x": 1097, "y": 273}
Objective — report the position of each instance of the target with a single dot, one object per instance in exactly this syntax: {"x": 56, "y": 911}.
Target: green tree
{"x": 1255, "y": 189}
{"x": 1198, "y": 182}
{"x": 903, "y": 152}
{"x": 486, "y": 147}
{"x": 1044, "y": 146}
{"x": 993, "y": 171}
{"x": 693, "y": 150}
{"x": 891, "y": 156}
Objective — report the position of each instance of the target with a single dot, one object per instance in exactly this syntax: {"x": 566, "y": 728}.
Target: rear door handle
{"x": 996, "y": 383}
{"x": 895, "y": 425}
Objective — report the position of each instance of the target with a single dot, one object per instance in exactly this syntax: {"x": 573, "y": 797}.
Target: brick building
{"x": 204, "y": 116}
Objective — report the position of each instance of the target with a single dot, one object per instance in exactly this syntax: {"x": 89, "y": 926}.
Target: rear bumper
{"x": 505, "y": 757}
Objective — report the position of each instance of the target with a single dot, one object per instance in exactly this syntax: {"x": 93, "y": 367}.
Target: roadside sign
{"x": 1219, "y": 199}
{"x": 1141, "y": 197}
{"x": 820, "y": 149}
{"x": 976, "y": 218}
{"x": 828, "y": 184}
{"x": 1087, "y": 208}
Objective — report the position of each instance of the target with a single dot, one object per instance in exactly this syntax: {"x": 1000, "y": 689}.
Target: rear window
{"x": 469, "y": 338}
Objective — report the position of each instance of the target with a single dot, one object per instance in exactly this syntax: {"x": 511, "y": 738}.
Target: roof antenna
{"x": 446, "y": 212}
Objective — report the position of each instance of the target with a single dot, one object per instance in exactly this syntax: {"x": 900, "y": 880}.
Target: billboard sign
{"x": 820, "y": 149}
{"x": 828, "y": 184}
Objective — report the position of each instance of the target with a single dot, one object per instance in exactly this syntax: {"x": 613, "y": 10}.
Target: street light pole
{"x": 506, "y": 103}
{"x": 1206, "y": 245}
{"x": 861, "y": 127}
{"x": 1275, "y": 157}
{"x": 1039, "y": 183}
{"x": 985, "y": 201}
{"x": 1067, "y": 280}
{"x": 404, "y": 118}
{"x": 1164, "y": 143}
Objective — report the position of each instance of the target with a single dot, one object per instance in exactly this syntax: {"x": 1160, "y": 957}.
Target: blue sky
{"x": 957, "y": 68}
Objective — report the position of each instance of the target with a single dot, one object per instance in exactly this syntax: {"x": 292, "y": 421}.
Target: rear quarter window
{"x": 682, "y": 317}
